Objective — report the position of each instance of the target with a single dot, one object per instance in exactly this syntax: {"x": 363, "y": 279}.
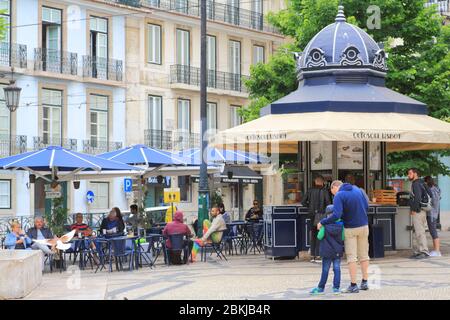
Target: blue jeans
{"x": 326, "y": 264}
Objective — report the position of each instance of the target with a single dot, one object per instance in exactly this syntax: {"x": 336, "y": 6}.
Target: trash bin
{"x": 376, "y": 241}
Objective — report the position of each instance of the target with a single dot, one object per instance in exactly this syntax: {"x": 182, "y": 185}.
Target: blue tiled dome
{"x": 341, "y": 45}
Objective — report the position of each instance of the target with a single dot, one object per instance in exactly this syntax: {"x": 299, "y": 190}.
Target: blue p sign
{"x": 127, "y": 185}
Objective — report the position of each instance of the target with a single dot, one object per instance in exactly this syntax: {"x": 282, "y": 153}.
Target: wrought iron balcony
{"x": 216, "y": 79}
{"x": 45, "y": 141}
{"x": 171, "y": 140}
{"x": 55, "y": 61}
{"x": 215, "y": 12}
{"x": 442, "y": 6}
{"x": 11, "y": 145}
{"x": 94, "y": 146}
{"x": 13, "y": 55}
{"x": 102, "y": 68}
{"x": 131, "y": 3}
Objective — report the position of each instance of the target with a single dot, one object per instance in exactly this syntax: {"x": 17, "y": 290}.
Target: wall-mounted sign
{"x": 350, "y": 155}
{"x": 127, "y": 185}
{"x": 321, "y": 155}
{"x": 375, "y": 156}
{"x": 154, "y": 180}
{"x": 90, "y": 196}
{"x": 52, "y": 194}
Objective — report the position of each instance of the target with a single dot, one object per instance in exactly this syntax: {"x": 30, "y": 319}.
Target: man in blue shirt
{"x": 351, "y": 206}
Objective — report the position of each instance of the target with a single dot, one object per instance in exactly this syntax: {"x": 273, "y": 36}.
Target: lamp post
{"x": 12, "y": 97}
{"x": 203, "y": 188}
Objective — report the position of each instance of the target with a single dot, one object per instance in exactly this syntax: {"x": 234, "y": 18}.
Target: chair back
{"x": 155, "y": 230}
{"x": 177, "y": 241}
{"x": 118, "y": 246}
{"x": 100, "y": 246}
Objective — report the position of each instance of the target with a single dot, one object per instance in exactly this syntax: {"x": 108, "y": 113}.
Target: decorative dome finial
{"x": 340, "y": 17}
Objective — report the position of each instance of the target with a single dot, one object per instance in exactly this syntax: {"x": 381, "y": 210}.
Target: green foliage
{"x": 428, "y": 162}
{"x": 57, "y": 217}
{"x": 3, "y": 26}
{"x": 419, "y": 68}
{"x": 216, "y": 198}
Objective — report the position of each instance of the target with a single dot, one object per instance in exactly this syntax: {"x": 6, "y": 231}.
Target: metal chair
{"x": 255, "y": 231}
{"x": 178, "y": 243}
{"x": 118, "y": 250}
{"x": 102, "y": 250}
{"x": 216, "y": 247}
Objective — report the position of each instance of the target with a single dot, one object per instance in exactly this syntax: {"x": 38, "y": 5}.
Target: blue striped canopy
{"x": 140, "y": 154}
{"x": 216, "y": 155}
{"x": 61, "y": 159}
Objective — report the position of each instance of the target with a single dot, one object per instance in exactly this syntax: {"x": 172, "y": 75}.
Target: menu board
{"x": 350, "y": 155}
{"x": 375, "y": 156}
{"x": 321, "y": 155}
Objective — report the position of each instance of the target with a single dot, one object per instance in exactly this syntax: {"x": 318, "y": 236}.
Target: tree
{"x": 3, "y": 25}
{"x": 419, "y": 68}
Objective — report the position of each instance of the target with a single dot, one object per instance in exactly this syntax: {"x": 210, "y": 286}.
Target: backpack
{"x": 426, "y": 201}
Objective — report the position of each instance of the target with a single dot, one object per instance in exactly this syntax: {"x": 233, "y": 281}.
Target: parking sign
{"x": 127, "y": 185}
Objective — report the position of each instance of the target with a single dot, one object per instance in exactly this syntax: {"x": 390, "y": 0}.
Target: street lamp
{"x": 12, "y": 97}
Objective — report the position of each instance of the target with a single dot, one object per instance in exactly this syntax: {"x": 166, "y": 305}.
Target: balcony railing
{"x": 13, "y": 55}
{"x": 441, "y": 6}
{"x": 55, "y": 61}
{"x": 216, "y": 79}
{"x": 93, "y": 146}
{"x": 43, "y": 142}
{"x": 171, "y": 140}
{"x": 215, "y": 12}
{"x": 131, "y": 3}
{"x": 102, "y": 68}
{"x": 11, "y": 145}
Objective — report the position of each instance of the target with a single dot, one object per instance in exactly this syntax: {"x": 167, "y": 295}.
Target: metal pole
{"x": 203, "y": 189}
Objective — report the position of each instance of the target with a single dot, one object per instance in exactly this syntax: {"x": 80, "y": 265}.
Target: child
{"x": 331, "y": 238}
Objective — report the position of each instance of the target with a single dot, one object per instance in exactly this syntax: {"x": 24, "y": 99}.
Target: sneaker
{"x": 435, "y": 254}
{"x": 351, "y": 289}
{"x": 414, "y": 255}
{"x": 421, "y": 256}
{"x": 317, "y": 291}
{"x": 336, "y": 291}
{"x": 364, "y": 286}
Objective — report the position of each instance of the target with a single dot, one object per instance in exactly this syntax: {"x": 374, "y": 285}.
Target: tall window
{"x": 184, "y": 183}
{"x": 5, "y": 6}
{"x": 183, "y": 47}
{"x": 51, "y": 38}
{"x": 4, "y": 117}
{"x": 211, "y": 116}
{"x": 233, "y": 11}
{"x": 155, "y": 112}
{"x": 258, "y": 54}
{"x": 236, "y": 119}
{"x": 5, "y": 194}
{"x": 181, "y": 5}
{"x": 99, "y": 120}
{"x": 101, "y": 195}
{"x": 234, "y": 62}
{"x": 154, "y": 43}
{"x": 211, "y": 62}
{"x": 184, "y": 115}
{"x": 257, "y": 14}
{"x": 99, "y": 46}
{"x": 52, "y": 116}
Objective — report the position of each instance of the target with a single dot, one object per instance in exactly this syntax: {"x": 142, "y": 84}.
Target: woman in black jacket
{"x": 316, "y": 200}
{"x": 113, "y": 224}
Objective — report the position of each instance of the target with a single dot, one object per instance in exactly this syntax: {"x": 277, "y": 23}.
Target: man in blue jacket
{"x": 351, "y": 206}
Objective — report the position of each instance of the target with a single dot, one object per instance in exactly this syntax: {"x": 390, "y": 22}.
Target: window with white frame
{"x": 4, "y": 116}
{"x": 184, "y": 115}
{"x": 235, "y": 117}
{"x": 99, "y": 119}
{"x": 258, "y": 54}
{"x": 155, "y": 112}
{"x": 101, "y": 195}
{"x": 51, "y": 31}
{"x": 235, "y": 57}
{"x": 211, "y": 116}
{"x": 52, "y": 116}
{"x": 5, "y": 194}
{"x": 154, "y": 43}
{"x": 183, "y": 47}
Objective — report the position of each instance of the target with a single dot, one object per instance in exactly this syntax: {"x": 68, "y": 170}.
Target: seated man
{"x": 39, "y": 232}
{"x": 80, "y": 227}
{"x": 254, "y": 213}
{"x": 177, "y": 227}
{"x": 212, "y": 231}
{"x": 17, "y": 239}
{"x": 134, "y": 219}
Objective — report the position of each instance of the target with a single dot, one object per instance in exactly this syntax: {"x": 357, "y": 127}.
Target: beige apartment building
{"x": 163, "y": 81}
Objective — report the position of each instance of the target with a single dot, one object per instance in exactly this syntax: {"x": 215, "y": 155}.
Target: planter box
{"x": 20, "y": 272}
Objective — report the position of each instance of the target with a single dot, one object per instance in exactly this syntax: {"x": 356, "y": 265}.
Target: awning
{"x": 400, "y": 130}
{"x": 240, "y": 174}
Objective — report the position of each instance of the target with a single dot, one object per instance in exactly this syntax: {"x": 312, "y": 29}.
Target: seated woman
{"x": 212, "y": 231}
{"x": 17, "y": 238}
{"x": 113, "y": 224}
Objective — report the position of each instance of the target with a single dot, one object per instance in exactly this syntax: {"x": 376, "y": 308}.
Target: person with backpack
{"x": 316, "y": 200}
{"x": 420, "y": 203}
{"x": 331, "y": 238}
{"x": 432, "y": 216}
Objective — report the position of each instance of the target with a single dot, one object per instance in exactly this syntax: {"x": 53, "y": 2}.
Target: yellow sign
{"x": 171, "y": 195}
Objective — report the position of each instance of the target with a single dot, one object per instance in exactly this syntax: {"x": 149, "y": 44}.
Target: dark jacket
{"x": 418, "y": 194}
{"x": 332, "y": 243}
{"x": 316, "y": 200}
{"x": 351, "y": 206}
{"x": 252, "y": 212}
{"x": 46, "y": 232}
{"x": 120, "y": 225}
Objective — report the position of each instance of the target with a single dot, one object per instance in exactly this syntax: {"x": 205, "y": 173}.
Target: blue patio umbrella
{"x": 216, "y": 155}
{"x": 140, "y": 154}
{"x": 57, "y": 159}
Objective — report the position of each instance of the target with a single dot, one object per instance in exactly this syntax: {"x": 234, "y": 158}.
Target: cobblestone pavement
{"x": 253, "y": 277}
